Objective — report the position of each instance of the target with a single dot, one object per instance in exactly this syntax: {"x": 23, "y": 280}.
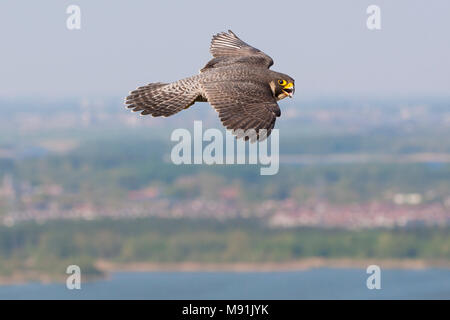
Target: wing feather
{"x": 227, "y": 49}
{"x": 244, "y": 105}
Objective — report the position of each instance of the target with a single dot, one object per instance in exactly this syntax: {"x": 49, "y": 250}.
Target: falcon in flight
{"x": 237, "y": 82}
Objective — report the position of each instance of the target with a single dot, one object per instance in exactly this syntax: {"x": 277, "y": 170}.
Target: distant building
{"x": 7, "y": 189}
{"x": 409, "y": 198}
{"x": 144, "y": 194}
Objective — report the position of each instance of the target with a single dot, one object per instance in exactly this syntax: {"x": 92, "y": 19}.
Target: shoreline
{"x": 295, "y": 265}
{"x": 108, "y": 267}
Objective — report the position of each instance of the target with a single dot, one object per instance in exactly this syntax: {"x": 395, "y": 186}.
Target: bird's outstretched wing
{"x": 243, "y": 106}
{"x": 228, "y": 49}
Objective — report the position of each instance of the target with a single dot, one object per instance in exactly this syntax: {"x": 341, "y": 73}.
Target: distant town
{"x": 41, "y": 204}
{"x": 336, "y": 142}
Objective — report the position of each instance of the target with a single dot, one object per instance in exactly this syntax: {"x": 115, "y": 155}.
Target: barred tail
{"x": 164, "y": 99}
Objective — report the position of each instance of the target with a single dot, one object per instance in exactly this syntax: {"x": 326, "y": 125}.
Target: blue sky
{"x": 324, "y": 45}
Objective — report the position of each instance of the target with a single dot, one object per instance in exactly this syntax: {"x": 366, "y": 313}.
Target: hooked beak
{"x": 289, "y": 89}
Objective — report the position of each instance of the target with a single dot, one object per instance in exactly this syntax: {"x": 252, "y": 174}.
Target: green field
{"x": 49, "y": 248}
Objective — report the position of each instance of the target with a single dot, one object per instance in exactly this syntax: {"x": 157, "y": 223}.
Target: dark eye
{"x": 282, "y": 82}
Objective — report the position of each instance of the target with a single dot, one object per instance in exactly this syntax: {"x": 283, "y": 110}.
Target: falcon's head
{"x": 282, "y": 86}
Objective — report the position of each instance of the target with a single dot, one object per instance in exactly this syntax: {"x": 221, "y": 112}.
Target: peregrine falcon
{"x": 237, "y": 82}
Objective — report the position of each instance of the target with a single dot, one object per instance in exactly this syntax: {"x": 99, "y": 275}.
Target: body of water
{"x": 322, "y": 283}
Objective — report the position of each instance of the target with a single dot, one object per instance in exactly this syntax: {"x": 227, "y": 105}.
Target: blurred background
{"x": 364, "y": 150}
